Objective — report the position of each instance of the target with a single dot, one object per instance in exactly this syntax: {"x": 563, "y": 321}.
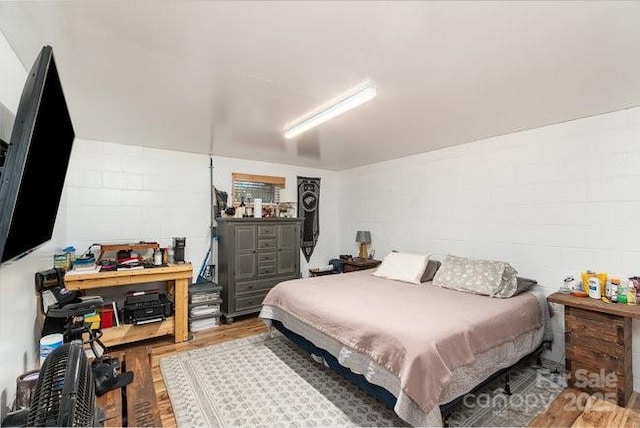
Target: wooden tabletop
{"x": 78, "y": 281}
{"x": 619, "y": 309}
{"x": 362, "y": 262}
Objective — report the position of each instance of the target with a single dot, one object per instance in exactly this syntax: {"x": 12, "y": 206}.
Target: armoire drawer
{"x": 266, "y": 243}
{"x": 254, "y": 286}
{"x": 266, "y": 231}
{"x": 250, "y": 301}
{"x": 269, "y": 257}
{"x": 267, "y": 269}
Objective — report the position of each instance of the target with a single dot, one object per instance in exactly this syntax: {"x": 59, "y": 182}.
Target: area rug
{"x": 266, "y": 380}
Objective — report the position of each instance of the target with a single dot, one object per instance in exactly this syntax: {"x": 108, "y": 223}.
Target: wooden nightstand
{"x": 317, "y": 272}
{"x": 359, "y": 264}
{"x": 598, "y": 344}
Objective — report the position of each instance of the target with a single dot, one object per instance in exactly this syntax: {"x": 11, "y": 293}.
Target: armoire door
{"x": 288, "y": 247}
{"x": 245, "y": 252}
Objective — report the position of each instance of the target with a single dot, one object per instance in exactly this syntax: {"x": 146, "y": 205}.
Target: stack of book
{"x": 204, "y": 306}
{"x": 85, "y": 264}
{"x": 129, "y": 263}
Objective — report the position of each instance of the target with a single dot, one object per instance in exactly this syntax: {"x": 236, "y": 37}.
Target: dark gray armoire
{"x": 253, "y": 256}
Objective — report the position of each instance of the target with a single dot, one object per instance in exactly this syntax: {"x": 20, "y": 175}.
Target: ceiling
{"x": 226, "y": 77}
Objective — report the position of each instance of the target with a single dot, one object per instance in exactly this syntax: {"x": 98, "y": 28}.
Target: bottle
{"x": 631, "y": 293}
{"x": 249, "y": 207}
{"x": 242, "y": 208}
{"x": 157, "y": 257}
{"x": 170, "y": 258}
{"x": 622, "y": 292}
{"x": 613, "y": 292}
{"x": 594, "y": 288}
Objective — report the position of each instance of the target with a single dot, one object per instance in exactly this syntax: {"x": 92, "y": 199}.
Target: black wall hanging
{"x": 309, "y": 209}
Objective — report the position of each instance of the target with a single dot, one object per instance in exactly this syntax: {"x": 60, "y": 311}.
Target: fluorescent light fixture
{"x": 351, "y": 99}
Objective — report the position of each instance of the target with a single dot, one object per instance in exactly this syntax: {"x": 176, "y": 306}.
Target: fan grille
{"x": 65, "y": 394}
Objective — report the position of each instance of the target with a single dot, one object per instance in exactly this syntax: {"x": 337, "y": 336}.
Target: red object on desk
{"x": 106, "y": 317}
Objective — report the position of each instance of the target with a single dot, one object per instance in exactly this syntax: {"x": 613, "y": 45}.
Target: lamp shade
{"x": 288, "y": 195}
{"x": 363, "y": 236}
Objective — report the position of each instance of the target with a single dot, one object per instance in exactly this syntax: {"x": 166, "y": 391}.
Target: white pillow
{"x": 403, "y": 267}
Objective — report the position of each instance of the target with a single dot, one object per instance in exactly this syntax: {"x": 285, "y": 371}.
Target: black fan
{"x": 65, "y": 394}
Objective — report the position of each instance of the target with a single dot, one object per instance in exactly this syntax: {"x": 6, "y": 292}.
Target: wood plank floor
{"x": 250, "y": 325}
{"x": 574, "y": 408}
{"x": 162, "y": 347}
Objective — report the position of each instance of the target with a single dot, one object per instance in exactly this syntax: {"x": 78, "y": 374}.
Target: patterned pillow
{"x": 485, "y": 277}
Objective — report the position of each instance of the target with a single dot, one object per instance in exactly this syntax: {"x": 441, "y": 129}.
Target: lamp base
{"x": 363, "y": 251}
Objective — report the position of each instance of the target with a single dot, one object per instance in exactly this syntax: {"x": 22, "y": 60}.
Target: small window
{"x": 247, "y": 187}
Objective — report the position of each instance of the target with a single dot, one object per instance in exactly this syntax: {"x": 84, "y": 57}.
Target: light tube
{"x": 355, "y": 97}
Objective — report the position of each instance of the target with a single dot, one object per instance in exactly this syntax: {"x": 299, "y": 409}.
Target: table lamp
{"x": 364, "y": 238}
{"x": 289, "y": 199}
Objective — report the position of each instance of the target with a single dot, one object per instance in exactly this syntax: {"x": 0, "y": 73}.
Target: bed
{"x": 421, "y": 345}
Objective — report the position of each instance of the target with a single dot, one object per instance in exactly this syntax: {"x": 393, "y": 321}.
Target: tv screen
{"x": 35, "y": 162}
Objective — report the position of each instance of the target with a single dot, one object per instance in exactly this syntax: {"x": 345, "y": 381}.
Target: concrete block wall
{"x": 119, "y": 193}
{"x": 552, "y": 201}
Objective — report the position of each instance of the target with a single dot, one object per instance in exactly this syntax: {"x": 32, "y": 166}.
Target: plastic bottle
{"x": 242, "y": 208}
{"x": 171, "y": 259}
{"x": 631, "y": 293}
{"x": 594, "y": 288}
{"x": 615, "y": 284}
{"x": 622, "y": 292}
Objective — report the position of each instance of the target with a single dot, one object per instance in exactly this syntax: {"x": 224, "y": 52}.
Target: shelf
{"x": 211, "y": 302}
{"x": 127, "y": 333}
{"x": 204, "y": 317}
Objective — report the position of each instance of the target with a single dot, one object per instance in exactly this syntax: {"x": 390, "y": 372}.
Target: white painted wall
{"x": 19, "y": 334}
{"x": 553, "y": 201}
{"x": 327, "y": 246}
{"x": 121, "y": 193}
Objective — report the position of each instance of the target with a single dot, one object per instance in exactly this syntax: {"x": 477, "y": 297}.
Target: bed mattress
{"x": 424, "y": 344}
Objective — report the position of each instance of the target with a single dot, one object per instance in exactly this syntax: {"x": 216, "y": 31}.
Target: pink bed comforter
{"x": 420, "y": 333}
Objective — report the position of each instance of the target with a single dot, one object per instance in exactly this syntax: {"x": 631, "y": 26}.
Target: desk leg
{"x": 181, "y": 297}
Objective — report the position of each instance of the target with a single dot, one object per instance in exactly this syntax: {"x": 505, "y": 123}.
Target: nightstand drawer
{"x": 266, "y": 257}
{"x": 266, "y": 244}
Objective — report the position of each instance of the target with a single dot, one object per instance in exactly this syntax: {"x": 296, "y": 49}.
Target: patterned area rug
{"x": 268, "y": 381}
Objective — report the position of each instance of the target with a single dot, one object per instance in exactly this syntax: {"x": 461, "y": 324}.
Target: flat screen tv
{"x": 34, "y": 162}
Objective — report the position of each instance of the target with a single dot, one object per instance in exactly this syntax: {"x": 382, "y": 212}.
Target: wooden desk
{"x": 178, "y": 278}
{"x": 598, "y": 345}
